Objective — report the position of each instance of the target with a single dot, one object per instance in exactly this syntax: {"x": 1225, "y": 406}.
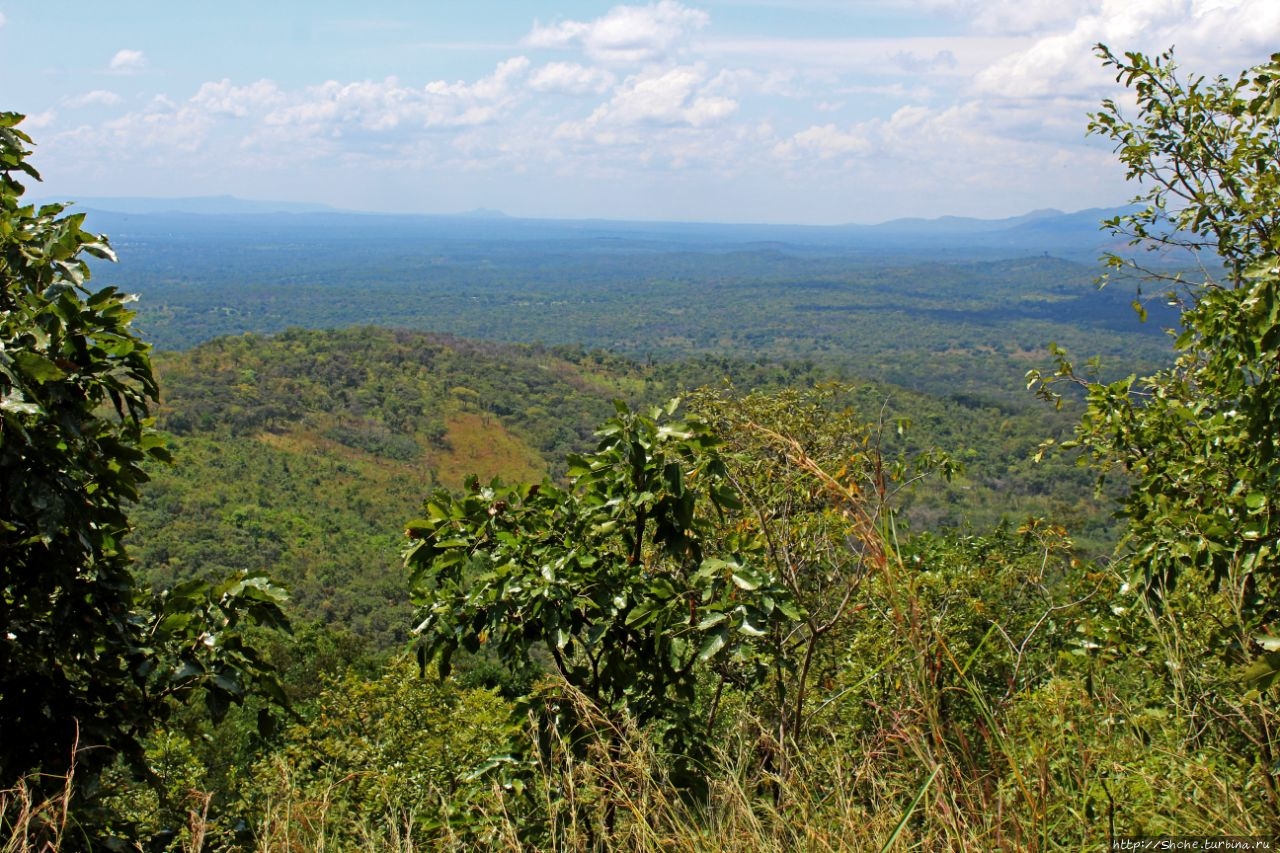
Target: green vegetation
{"x": 296, "y": 449}
{"x": 794, "y": 611}
{"x": 89, "y": 665}
{"x": 1198, "y": 438}
{"x": 959, "y": 327}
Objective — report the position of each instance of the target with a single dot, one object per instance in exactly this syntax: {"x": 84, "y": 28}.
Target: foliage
{"x": 1197, "y": 439}
{"x": 85, "y": 662}
{"x": 727, "y": 603}
{"x": 619, "y": 576}
{"x": 291, "y": 452}
{"x": 821, "y": 492}
{"x": 394, "y": 750}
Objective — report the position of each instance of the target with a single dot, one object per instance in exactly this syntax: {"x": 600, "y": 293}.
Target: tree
{"x": 88, "y": 663}
{"x": 1197, "y": 439}
{"x": 813, "y": 480}
{"x": 626, "y": 579}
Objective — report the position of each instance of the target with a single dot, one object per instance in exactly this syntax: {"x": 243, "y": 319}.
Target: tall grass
{"x": 35, "y": 812}
{"x": 1056, "y": 768}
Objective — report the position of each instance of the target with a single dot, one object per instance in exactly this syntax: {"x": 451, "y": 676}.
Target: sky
{"x": 776, "y": 111}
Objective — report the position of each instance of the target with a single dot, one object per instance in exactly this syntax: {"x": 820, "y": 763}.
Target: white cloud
{"x": 1211, "y": 37}
{"x": 98, "y": 97}
{"x": 162, "y": 134}
{"x": 664, "y": 97}
{"x": 953, "y": 56}
{"x": 224, "y": 98}
{"x": 570, "y": 78}
{"x": 825, "y": 142}
{"x": 736, "y": 82}
{"x": 993, "y": 115}
{"x": 127, "y": 61}
{"x": 345, "y": 111}
{"x": 39, "y": 121}
{"x": 626, "y": 34}
{"x": 262, "y": 128}
{"x": 494, "y": 87}
{"x": 2, "y": 19}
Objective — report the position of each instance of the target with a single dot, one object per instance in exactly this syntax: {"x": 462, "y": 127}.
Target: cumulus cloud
{"x": 825, "y": 142}
{"x": 333, "y": 109}
{"x": 672, "y": 96}
{"x": 494, "y": 87}
{"x": 1211, "y": 36}
{"x": 920, "y": 140}
{"x": 570, "y": 78}
{"x": 261, "y": 125}
{"x": 98, "y": 97}
{"x": 39, "y": 121}
{"x": 1227, "y": 25}
{"x": 996, "y": 111}
{"x": 225, "y": 98}
{"x": 626, "y": 34}
{"x": 162, "y": 131}
{"x": 127, "y": 61}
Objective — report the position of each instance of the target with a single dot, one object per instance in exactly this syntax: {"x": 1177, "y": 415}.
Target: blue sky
{"x": 789, "y": 111}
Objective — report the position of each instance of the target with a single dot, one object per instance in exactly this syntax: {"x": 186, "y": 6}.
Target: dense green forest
{"x": 963, "y": 326}
{"x": 668, "y": 543}
{"x": 297, "y": 448}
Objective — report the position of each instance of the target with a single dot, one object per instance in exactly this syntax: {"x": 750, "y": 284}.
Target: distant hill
{"x": 1070, "y": 235}
{"x": 968, "y": 225}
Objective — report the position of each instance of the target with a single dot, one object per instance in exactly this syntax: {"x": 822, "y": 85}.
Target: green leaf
{"x": 18, "y": 406}
{"x": 38, "y": 367}
{"x": 788, "y": 608}
{"x": 712, "y": 620}
{"x": 748, "y": 579}
{"x": 712, "y": 645}
{"x": 661, "y": 588}
{"x": 1264, "y": 672}
{"x": 641, "y": 614}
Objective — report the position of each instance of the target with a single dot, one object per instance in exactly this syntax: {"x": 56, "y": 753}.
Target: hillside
{"x": 302, "y": 454}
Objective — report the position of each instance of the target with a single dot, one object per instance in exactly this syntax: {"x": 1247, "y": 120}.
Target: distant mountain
{"x": 1044, "y": 220}
{"x": 1075, "y": 236}
{"x": 962, "y": 224}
